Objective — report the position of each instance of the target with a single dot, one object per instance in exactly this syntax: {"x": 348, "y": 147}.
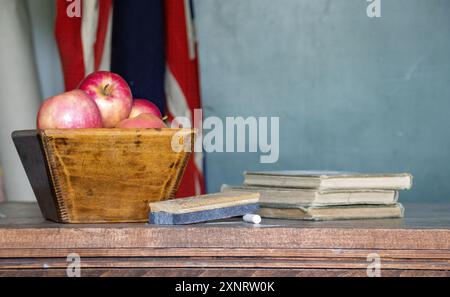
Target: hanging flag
{"x": 143, "y": 33}
{"x": 19, "y": 93}
{"x": 84, "y": 40}
{"x": 138, "y": 47}
{"x": 182, "y": 83}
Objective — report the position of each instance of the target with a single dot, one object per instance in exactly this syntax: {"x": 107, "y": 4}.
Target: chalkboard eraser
{"x": 203, "y": 208}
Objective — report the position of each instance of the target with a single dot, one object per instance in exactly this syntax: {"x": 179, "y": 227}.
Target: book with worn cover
{"x": 324, "y": 213}
{"x": 312, "y": 197}
{"x": 329, "y": 180}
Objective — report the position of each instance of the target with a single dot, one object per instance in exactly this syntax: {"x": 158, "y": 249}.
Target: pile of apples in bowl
{"x": 102, "y": 100}
{"x": 99, "y": 156}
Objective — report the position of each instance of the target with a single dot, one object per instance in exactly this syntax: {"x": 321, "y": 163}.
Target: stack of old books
{"x": 326, "y": 195}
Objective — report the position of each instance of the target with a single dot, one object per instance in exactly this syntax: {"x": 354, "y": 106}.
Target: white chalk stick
{"x": 252, "y": 218}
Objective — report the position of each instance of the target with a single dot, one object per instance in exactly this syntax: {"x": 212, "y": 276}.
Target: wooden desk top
{"x": 407, "y": 243}
{"x": 425, "y": 226}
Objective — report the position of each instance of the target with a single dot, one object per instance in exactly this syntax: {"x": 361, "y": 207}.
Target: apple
{"x": 144, "y": 106}
{"x": 144, "y": 120}
{"x": 70, "y": 110}
{"x": 112, "y": 95}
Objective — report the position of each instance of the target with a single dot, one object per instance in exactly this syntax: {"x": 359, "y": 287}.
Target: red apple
{"x": 69, "y": 110}
{"x": 112, "y": 95}
{"x": 144, "y": 120}
{"x": 144, "y": 106}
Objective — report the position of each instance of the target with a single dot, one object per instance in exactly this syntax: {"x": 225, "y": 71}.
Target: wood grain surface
{"x": 106, "y": 175}
{"x": 418, "y": 245}
{"x": 206, "y": 272}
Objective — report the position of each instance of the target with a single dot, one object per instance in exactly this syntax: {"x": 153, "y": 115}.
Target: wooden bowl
{"x": 102, "y": 175}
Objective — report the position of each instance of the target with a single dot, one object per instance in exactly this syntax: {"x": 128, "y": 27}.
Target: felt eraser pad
{"x": 203, "y": 208}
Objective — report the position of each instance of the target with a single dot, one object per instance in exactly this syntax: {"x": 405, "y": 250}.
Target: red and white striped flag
{"x": 85, "y": 43}
{"x": 84, "y": 39}
{"x": 182, "y": 84}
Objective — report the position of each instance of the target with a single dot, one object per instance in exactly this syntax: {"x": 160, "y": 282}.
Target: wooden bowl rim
{"x": 106, "y": 131}
{"x": 110, "y": 129}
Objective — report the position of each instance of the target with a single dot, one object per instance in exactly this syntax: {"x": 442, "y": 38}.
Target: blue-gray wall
{"x": 352, "y": 93}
